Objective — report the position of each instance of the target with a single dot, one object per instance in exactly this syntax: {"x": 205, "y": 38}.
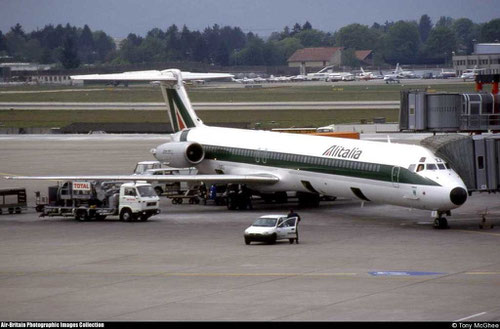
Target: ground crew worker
{"x": 293, "y": 214}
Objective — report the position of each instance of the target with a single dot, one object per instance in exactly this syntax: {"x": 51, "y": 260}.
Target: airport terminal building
{"x": 486, "y": 56}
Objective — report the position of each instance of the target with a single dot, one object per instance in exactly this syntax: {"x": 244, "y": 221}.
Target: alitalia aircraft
{"x": 271, "y": 163}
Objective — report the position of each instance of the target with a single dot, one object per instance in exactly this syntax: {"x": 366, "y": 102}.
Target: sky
{"x": 118, "y": 18}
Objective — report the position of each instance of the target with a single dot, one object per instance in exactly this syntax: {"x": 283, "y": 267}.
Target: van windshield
{"x": 146, "y": 191}
{"x": 265, "y": 222}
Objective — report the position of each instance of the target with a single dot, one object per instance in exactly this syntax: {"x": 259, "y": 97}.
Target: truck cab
{"x": 137, "y": 201}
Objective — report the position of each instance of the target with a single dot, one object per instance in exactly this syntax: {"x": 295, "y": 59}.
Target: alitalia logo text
{"x": 342, "y": 152}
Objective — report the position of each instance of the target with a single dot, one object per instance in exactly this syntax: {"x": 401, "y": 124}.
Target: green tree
{"x": 444, "y": 21}
{"x": 306, "y": 26}
{"x": 490, "y": 32}
{"x": 356, "y": 36}
{"x": 3, "y": 43}
{"x": 401, "y": 43}
{"x": 349, "y": 58}
{"x": 465, "y": 31}
{"x": 424, "y": 27}
{"x": 440, "y": 44}
{"x": 69, "y": 55}
{"x": 311, "y": 38}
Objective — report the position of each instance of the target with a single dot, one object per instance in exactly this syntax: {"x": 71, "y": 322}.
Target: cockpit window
{"x": 420, "y": 167}
{"x": 412, "y": 168}
{"x": 447, "y": 165}
{"x": 422, "y": 159}
{"x": 431, "y": 166}
{"x": 441, "y": 166}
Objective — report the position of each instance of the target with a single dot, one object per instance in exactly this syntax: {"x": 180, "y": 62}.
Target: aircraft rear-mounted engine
{"x": 179, "y": 154}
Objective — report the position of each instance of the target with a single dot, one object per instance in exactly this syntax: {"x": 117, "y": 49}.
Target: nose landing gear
{"x": 441, "y": 222}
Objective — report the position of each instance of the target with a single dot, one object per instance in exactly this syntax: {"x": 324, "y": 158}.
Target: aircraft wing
{"x": 152, "y": 75}
{"x": 236, "y": 179}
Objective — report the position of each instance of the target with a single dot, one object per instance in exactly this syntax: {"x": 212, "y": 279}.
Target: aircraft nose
{"x": 458, "y": 196}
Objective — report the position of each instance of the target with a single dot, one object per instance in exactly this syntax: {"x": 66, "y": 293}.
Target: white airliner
{"x": 273, "y": 163}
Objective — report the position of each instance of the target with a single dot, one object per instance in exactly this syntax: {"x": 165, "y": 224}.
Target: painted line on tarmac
{"x": 187, "y": 274}
{"x": 210, "y": 274}
{"x": 477, "y": 232}
{"x": 470, "y": 317}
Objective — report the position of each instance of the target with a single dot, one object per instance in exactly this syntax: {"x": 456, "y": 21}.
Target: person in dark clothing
{"x": 293, "y": 214}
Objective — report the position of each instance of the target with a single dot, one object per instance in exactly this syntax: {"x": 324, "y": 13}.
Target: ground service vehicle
{"x": 96, "y": 200}
{"x": 270, "y": 228}
{"x": 13, "y": 200}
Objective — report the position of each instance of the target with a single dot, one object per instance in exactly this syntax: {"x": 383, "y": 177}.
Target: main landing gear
{"x": 440, "y": 222}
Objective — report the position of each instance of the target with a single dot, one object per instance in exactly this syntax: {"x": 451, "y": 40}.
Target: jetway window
{"x": 480, "y": 162}
{"x": 474, "y": 108}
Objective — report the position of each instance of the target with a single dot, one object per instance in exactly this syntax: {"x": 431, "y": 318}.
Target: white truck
{"x": 97, "y": 200}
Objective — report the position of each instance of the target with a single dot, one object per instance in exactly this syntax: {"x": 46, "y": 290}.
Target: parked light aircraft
{"x": 404, "y": 74}
{"x": 365, "y": 75}
{"x": 470, "y": 74}
{"x": 271, "y": 163}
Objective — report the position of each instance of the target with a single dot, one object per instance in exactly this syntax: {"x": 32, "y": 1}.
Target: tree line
{"x": 405, "y": 42}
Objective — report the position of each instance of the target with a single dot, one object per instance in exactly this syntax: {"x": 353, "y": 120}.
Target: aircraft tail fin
{"x": 180, "y": 111}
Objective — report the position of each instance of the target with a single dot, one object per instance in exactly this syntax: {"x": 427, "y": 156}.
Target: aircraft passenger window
{"x": 441, "y": 166}
{"x": 431, "y": 166}
{"x": 412, "y": 168}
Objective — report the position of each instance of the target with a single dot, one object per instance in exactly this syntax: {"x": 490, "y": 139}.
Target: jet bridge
{"x": 422, "y": 111}
{"x": 475, "y": 158}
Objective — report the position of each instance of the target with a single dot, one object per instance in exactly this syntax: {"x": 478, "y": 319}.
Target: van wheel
{"x": 126, "y": 215}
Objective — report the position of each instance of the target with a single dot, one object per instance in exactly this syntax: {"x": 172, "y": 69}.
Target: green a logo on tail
{"x": 180, "y": 112}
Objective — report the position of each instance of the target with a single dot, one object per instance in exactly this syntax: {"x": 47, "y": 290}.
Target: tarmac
{"x": 190, "y": 263}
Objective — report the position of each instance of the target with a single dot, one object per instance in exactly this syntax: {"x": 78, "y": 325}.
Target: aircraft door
{"x": 395, "y": 176}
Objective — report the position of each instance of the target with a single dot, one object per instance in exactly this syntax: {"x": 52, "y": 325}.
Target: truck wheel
{"x": 126, "y": 215}
{"x": 81, "y": 215}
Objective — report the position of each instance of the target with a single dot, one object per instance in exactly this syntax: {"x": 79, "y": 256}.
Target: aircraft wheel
{"x": 441, "y": 223}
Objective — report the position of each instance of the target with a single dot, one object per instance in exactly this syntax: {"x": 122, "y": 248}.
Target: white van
{"x": 270, "y": 228}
